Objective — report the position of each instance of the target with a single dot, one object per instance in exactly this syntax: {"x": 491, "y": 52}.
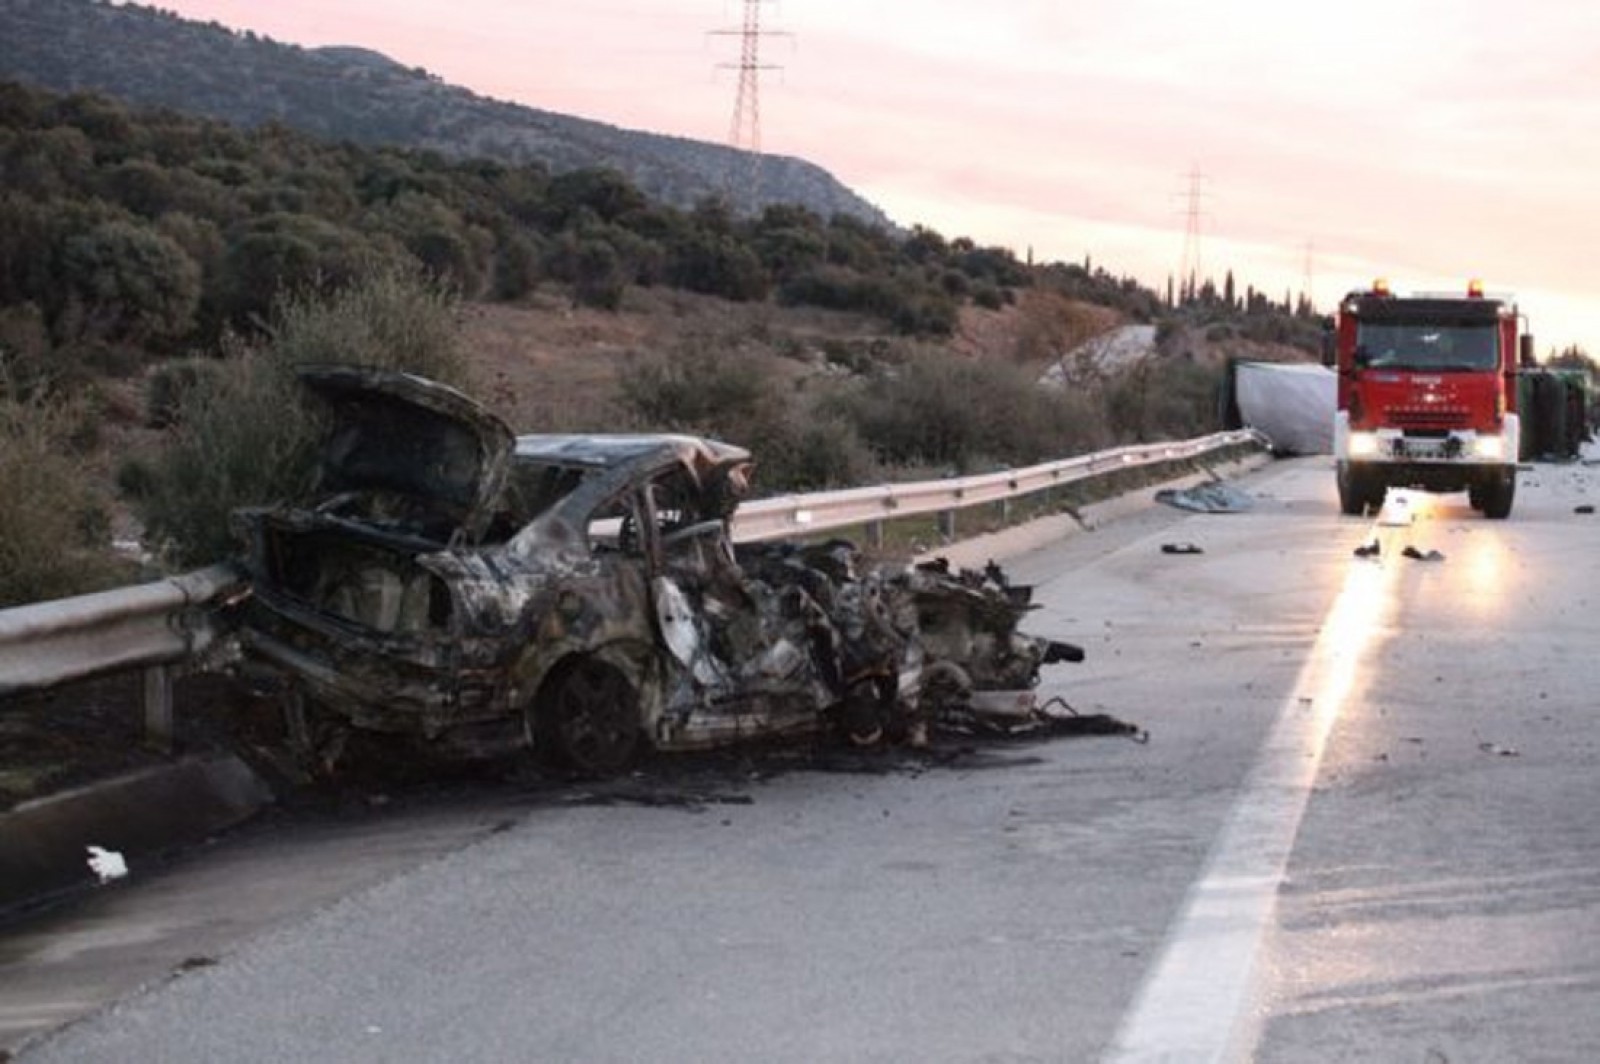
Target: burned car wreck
{"x": 480, "y": 592}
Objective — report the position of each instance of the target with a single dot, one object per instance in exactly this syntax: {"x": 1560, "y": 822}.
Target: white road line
{"x": 1199, "y": 1001}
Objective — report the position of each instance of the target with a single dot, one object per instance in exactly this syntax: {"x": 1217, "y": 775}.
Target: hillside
{"x": 148, "y": 56}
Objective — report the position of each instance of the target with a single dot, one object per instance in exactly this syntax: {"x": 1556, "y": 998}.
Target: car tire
{"x": 587, "y": 717}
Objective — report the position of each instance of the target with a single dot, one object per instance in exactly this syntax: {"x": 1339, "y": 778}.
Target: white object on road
{"x": 1397, "y": 511}
{"x": 107, "y": 864}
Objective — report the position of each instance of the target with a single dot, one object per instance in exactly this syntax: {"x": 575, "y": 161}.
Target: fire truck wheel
{"x": 1498, "y": 493}
{"x": 1357, "y": 490}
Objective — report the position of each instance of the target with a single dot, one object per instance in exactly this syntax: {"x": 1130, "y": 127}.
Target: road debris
{"x": 1214, "y": 498}
{"x": 107, "y": 864}
{"x": 1396, "y": 511}
{"x": 1181, "y": 548}
{"x": 1368, "y": 550}
{"x": 694, "y": 802}
{"x": 1055, "y": 717}
{"x": 1422, "y": 556}
{"x": 1586, "y": 508}
{"x": 1499, "y": 751}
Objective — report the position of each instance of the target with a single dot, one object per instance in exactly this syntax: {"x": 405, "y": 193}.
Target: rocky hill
{"x": 149, "y": 56}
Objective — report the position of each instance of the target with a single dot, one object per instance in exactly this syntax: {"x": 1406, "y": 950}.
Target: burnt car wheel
{"x": 588, "y": 717}
{"x": 868, "y": 709}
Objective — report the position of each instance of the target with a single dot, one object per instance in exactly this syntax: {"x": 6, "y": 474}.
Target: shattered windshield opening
{"x": 1386, "y": 345}
{"x": 535, "y": 488}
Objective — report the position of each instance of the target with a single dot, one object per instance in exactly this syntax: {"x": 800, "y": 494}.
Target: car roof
{"x": 614, "y": 450}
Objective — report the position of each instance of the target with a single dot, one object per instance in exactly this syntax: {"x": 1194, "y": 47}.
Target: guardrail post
{"x": 875, "y": 535}
{"x": 947, "y": 525}
{"x": 158, "y": 729}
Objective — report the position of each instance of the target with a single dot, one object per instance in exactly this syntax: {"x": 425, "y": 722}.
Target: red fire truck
{"x": 1427, "y": 396}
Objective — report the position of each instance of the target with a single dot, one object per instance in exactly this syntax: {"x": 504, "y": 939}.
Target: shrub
{"x": 593, "y": 268}
{"x": 961, "y": 415}
{"x": 26, "y": 353}
{"x": 516, "y": 265}
{"x": 847, "y": 355}
{"x": 394, "y": 318}
{"x": 913, "y": 307}
{"x": 808, "y": 451}
{"x": 136, "y": 282}
{"x": 275, "y": 255}
{"x": 701, "y": 387}
{"x": 988, "y": 296}
{"x": 1164, "y": 399}
{"x": 708, "y": 387}
{"x": 54, "y": 530}
{"x": 923, "y": 311}
{"x": 169, "y": 387}
{"x": 717, "y": 264}
{"x": 243, "y": 438}
{"x": 242, "y": 435}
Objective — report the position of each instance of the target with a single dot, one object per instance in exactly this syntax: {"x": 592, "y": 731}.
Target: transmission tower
{"x": 1190, "y": 270}
{"x": 1306, "y": 290}
{"x": 744, "y": 132}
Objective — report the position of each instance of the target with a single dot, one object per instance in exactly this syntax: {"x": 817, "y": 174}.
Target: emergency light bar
{"x": 1475, "y": 290}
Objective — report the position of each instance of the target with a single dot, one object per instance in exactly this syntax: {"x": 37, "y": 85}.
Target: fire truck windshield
{"x": 1426, "y": 347}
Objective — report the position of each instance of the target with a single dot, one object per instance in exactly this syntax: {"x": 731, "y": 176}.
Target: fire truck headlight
{"x": 1363, "y": 445}
{"x": 1492, "y": 447}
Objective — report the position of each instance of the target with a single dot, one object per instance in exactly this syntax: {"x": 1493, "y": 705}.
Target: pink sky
{"x": 1420, "y": 141}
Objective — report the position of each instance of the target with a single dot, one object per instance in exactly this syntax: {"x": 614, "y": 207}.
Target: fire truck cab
{"x": 1427, "y": 396}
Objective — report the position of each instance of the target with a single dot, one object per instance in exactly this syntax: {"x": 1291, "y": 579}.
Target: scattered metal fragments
{"x": 1499, "y": 751}
{"x": 1213, "y": 498}
{"x": 477, "y": 593}
{"x": 1054, "y": 717}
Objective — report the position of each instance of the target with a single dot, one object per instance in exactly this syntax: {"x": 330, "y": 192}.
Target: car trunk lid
{"x": 414, "y": 442}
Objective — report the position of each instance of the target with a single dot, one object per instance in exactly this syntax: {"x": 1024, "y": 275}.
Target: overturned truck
{"x": 478, "y": 592}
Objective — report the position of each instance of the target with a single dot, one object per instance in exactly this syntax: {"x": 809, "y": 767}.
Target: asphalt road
{"x": 1363, "y": 830}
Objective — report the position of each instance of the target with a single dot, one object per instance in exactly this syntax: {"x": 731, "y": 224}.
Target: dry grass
{"x": 1037, "y": 330}
{"x": 545, "y": 365}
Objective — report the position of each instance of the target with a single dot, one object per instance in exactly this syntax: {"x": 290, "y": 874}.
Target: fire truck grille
{"x": 1429, "y": 418}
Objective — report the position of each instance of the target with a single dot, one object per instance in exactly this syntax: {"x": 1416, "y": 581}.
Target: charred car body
{"x": 479, "y": 592}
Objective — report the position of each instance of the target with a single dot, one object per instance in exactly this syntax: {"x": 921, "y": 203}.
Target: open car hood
{"x": 399, "y": 434}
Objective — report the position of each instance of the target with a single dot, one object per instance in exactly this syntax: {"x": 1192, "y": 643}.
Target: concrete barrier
{"x": 44, "y": 843}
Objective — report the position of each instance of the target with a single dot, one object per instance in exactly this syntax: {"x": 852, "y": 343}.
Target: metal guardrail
{"x": 799, "y": 515}
{"x": 150, "y": 626}
{"x": 162, "y": 624}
